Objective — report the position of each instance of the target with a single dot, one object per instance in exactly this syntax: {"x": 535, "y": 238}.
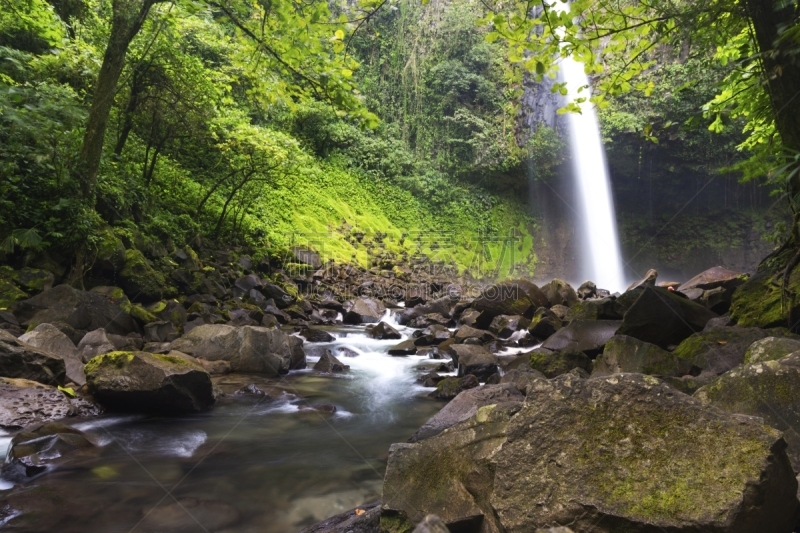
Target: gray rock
{"x": 431, "y": 524}
{"x": 513, "y": 297}
{"x": 719, "y": 350}
{"x": 626, "y": 354}
{"x": 149, "y": 383}
{"x": 544, "y": 324}
{"x": 382, "y": 330}
{"x": 94, "y": 343}
{"x": 504, "y": 325}
{"x": 365, "y": 311}
{"x": 248, "y": 349}
{"x": 407, "y": 347}
{"x": 316, "y": 335}
{"x": 37, "y": 449}
{"x": 449, "y": 388}
{"x": 24, "y": 402}
{"x": 352, "y": 521}
{"x": 21, "y": 360}
{"x": 479, "y": 362}
{"x": 160, "y": 331}
{"x": 559, "y": 292}
{"x": 467, "y": 332}
{"x": 771, "y": 349}
{"x": 553, "y": 364}
{"x": 329, "y": 364}
{"x": 713, "y": 278}
{"x": 587, "y": 336}
{"x": 50, "y": 339}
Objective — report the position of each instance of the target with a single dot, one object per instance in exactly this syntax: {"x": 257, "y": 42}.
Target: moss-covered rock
{"x": 148, "y": 383}
{"x": 626, "y": 354}
{"x": 718, "y": 350}
{"x": 10, "y": 293}
{"x": 758, "y": 302}
{"x": 768, "y": 389}
{"x": 771, "y": 349}
{"x": 139, "y": 279}
{"x": 110, "y": 252}
{"x": 33, "y": 280}
{"x": 553, "y": 364}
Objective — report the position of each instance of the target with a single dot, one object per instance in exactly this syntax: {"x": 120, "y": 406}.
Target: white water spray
{"x": 600, "y": 251}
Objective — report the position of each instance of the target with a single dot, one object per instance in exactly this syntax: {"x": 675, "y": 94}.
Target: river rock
{"x": 587, "y": 290}
{"x": 33, "y": 280}
{"x": 457, "y": 350}
{"x": 465, "y": 405}
{"x": 544, "y": 324}
{"x": 316, "y": 335}
{"x": 36, "y": 449}
{"x": 466, "y": 332}
{"x": 248, "y": 349}
{"x": 24, "y": 403}
{"x": 407, "y": 347}
{"x": 433, "y": 335}
{"x": 559, "y": 292}
{"x": 771, "y": 349}
{"x": 663, "y": 318}
{"x": 470, "y": 317}
{"x": 713, "y": 278}
{"x": 587, "y": 336}
{"x": 479, "y": 362}
{"x": 329, "y": 364}
{"x": 365, "y": 311}
{"x": 364, "y": 519}
{"x": 439, "y": 306}
{"x": 626, "y": 354}
{"x": 431, "y": 524}
{"x": 504, "y": 326}
{"x": 382, "y": 331}
{"x": 50, "y": 339}
{"x": 555, "y": 363}
{"x": 513, "y": 297}
{"x": 21, "y": 360}
{"x": 94, "y": 343}
{"x": 149, "y": 383}
{"x": 84, "y": 311}
{"x": 649, "y": 280}
{"x": 160, "y": 331}
{"x": 619, "y": 453}
{"x": 767, "y": 389}
{"x": 449, "y": 388}
{"x": 721, "y": 349}
{"x": 183, "y": 516}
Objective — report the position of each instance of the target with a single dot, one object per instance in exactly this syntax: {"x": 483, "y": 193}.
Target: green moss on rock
{"x": 116, "y": 359}
{"x": 758, "y": 302}
{"x": 10, "y": 293}
{"x": 139, "y": 279}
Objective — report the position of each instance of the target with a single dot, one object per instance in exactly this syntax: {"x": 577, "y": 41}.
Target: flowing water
{"x": 601, "y": 260}
{"x": 249, "y": 465}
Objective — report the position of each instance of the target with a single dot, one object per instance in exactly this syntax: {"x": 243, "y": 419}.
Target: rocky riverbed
{"x": 258, "y": 400}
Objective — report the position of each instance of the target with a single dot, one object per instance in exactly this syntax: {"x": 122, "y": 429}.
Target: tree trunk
{"x": 127, "y": 19}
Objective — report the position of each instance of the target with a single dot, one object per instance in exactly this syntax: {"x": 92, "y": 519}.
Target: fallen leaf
{"x": 359, "y": 512}
{"x": 722, "y": 343}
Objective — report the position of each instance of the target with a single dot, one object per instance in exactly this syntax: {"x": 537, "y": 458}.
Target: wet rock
{"x": 476, "y": 361}
{"x": 431, "y": 379}
{"x": 718, "y": 300}
{"x": 365, "y": 311}
{"x": 770, "y": 390}
{"x": 247, "y": 349}
{"x": 94, "y": 343}
{"x": 316, "y": 335}
{"x": 149, "y": 383}
{"x": 431, "y": 524}
{"x": 84, "y": 311}
{"x": 129, "y": 343}
{"x": 504, "y": 326}
{"x": 626, "y": 354}
{"x": 587, "y": 336}
{"x": 24, "y": 403}
{"x": 139, "y": 279}
{"x": 21, "y": 360}
{"x": 555, "y": 363}
{"x": 559, "y": 292}
{"x": 267, "y": 321}
{"x": 184, "y": 515}
{"x": 470, "y": 317}
{"x": 329, "y": 364}
{"x": 587, "y": 290}
{"x": 49, "y": 338}
{"x": 382, "y": 331}
{"x": 544, "y": 324}
{"x": 364, "y": 519}
{"x": 464, "y": 333}
{"x": 621, "y": 453}
{"x": 280, "y": 298}
{"x": 719, "y": 350}
{"x": 160, "y": 331}
{"x": 465, "y": 405}
{"x": 771, "y": 349}
{"x": 449, "y": 388}
{"x": 719, "y": 322}
{"x": 429, "y": 320}
{"x": 251, "y": 390}
{"x": 33, "y": 280}
{"x": 649, "y": 280}
{"x": 10, "y": 293}
{"x": 407, "y": 347}
{"x": 608, "y": 308}
{"x": 713, "y": 278}
{"x": 214, "y": 368}
{"x": 522, "y": 378}
{"x": 241, "y": 317}
{"x": 38, "y": 448}
{"x": 514, "y": 297}
{"x": 457, "y": 350}
{"x": 433, "y": 335}
{"x": 175, "y": 313}
{"x": 663, "y": 318}
{"x": 441, "y": 306}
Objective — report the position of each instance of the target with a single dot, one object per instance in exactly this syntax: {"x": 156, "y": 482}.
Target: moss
{"x": 171, "y": 359}
{"x": 109, "y": 250}
{"x": 392, "y": 522}
{"x": 139, "y": 279}
{"x": 554, "y": 364}
{"x": 33, "y": 280}
{"x": 115, "y": 359}
{"x": 758, "y": 302}
{"x": 157, "y": 307}
{"x": 10, "y": 293}
{"x": 138, "y": 312}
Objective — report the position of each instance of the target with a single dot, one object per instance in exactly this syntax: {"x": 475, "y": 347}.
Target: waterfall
{"x": 599, "y": 248}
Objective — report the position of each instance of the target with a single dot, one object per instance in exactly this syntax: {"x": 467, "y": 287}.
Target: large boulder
{"x": 365, "y": 311}
{"x": 37, "y": 449}
{"x": 440, "y": 306}
{"x": 464, "y": 333}
{"x": 553, "y": 364}
{"x": 760, "y": 301}
{"x": 771, "y": 349}
{"x": 466, "y": 404}
{"x": 475, "y": 360}
{"x": 248, "y": 349}
{"x": 544, "y": 324}
{"x": 769, "y": 389}
{"x": 620, "y": 453}
{"x": 514, "y": 297}
{"x": 24, "y": 402}
{"x": 21, "y": 360}
{"x": 80, "y": 310}
{"x": 10, "y": 293}
{"x": 95, "y": 343}
{"x": 587, "y": 336}
{"x": 663, "y": 318}
{"x": 559, "y": 292}
{"x": 50, "y": 339}
{"x": 505, "y": 326}
{"x": 139, "y": 279}
{"x": 382, "y": 331}
{"x": 714, "y": 278}
{"x": 718, "y": 350}
{"x": 626, "y": 354}
{"x": 149, "y": 383}
{"x": 329, "y": 364}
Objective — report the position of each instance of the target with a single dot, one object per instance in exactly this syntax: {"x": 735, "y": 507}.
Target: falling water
{"x": 599, "y": 250}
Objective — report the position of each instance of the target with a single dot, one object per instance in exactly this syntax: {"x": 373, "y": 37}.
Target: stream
{"x": 251, "y": 464}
